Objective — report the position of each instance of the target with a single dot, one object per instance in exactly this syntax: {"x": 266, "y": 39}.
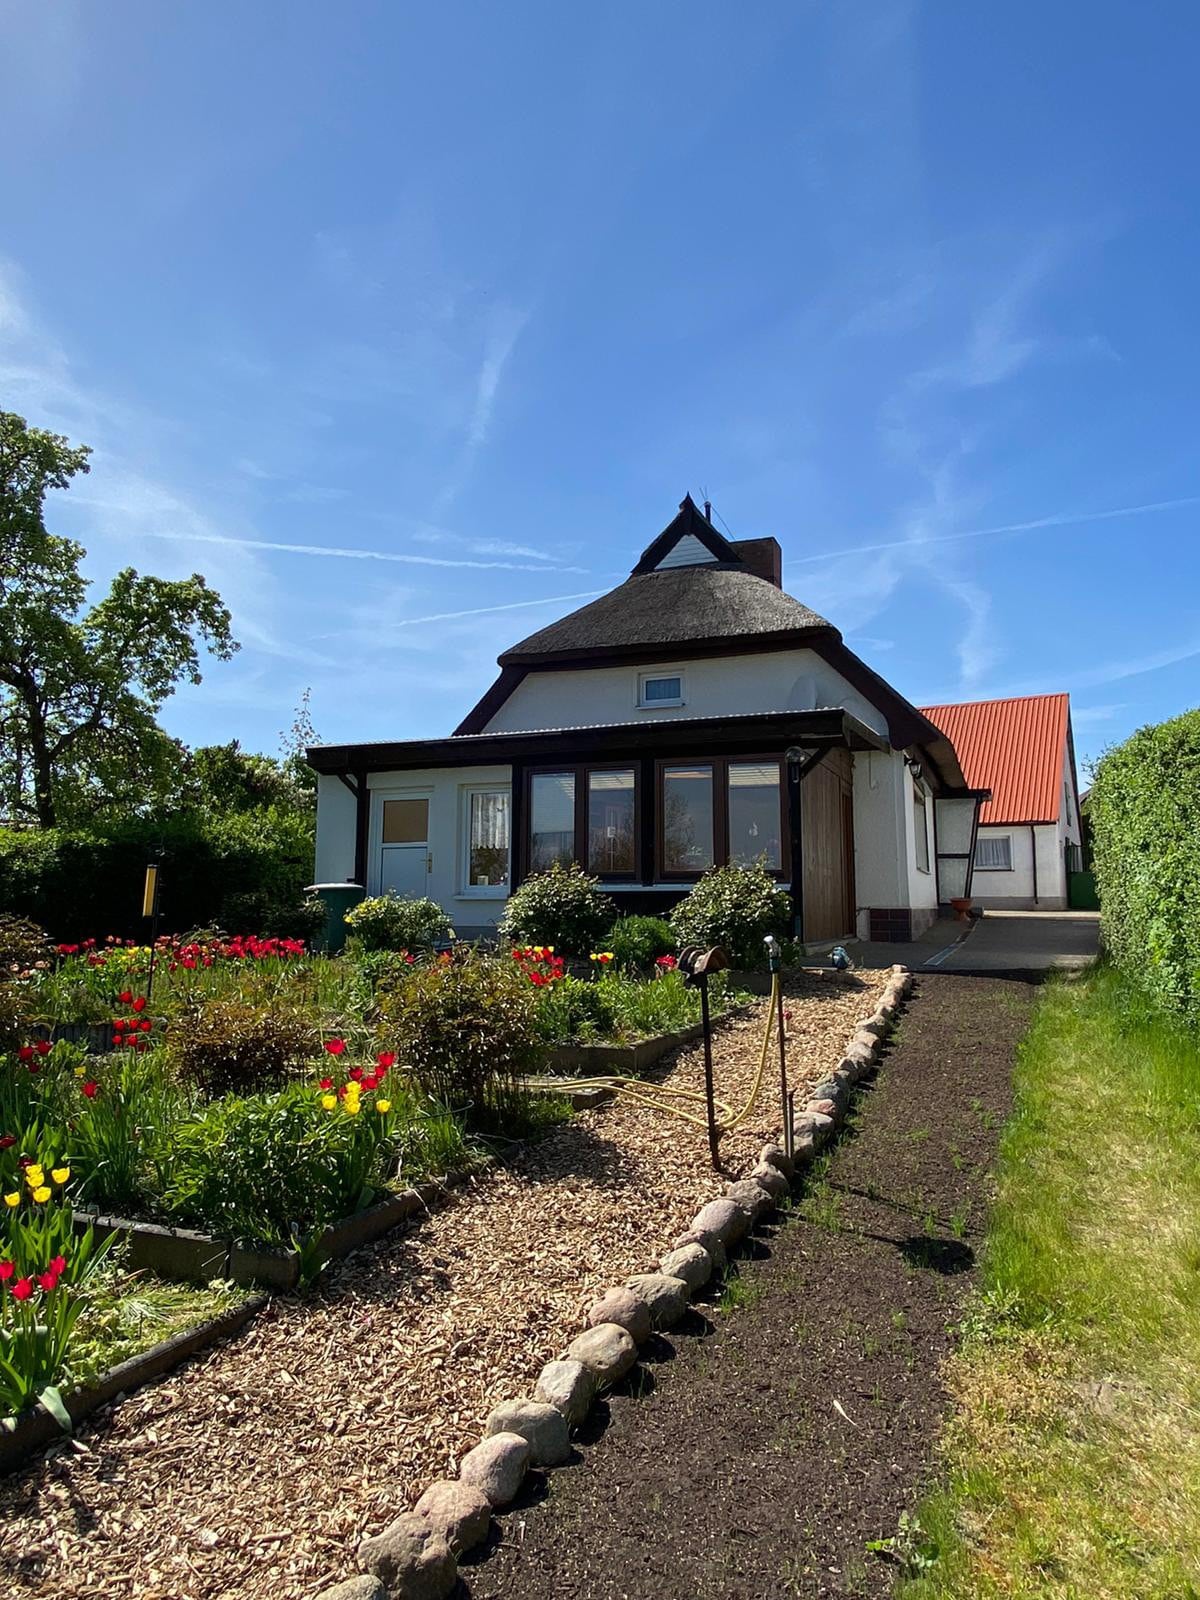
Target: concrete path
{"x": 1023, "y": 941}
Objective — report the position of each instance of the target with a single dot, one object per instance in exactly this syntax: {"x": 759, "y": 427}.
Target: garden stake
{"x": 775, "y": 966}
{"x": 150, "y": 908}
{"x": 696, "y": 966}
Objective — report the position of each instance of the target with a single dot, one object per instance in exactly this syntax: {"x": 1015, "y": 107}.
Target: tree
{"x": 80, "y": 687}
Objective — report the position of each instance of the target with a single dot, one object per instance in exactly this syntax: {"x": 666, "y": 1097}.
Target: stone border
{"x": 416, "y": 1556}
{"x": 24, "y": 1435}
{"x": 590, "y": 1060}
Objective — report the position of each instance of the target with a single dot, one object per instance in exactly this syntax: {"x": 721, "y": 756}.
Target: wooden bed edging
{"x": 24, "y": 1435}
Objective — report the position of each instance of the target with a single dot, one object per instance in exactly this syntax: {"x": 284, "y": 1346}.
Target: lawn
{"x": 1071, "y": 1464}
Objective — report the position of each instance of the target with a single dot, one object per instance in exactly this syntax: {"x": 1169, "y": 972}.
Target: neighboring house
{"x": 1029, "y": 831}
{"x": 693, "y": 716}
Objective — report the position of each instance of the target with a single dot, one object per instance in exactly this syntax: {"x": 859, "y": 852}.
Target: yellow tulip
{"x": 41, "y": 1195}
{"x": 383, "y": 1106}
{"x": 352, "y": 1108}
{"x": 329, "y": 1101}
{"x": 61, "y": 1174}
{"x": 34, "y": 1177}
{"x": 13, "y": 1199}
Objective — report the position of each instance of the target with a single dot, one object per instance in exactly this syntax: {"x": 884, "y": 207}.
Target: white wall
{"x": 336, "y": 812}
{"x": 885, "y": 841}
{"x": 778, "y": 680}
{"x": 1015, "y": 889}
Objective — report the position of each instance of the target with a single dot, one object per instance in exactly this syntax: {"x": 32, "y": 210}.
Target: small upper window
{"x": 656, "y": 689}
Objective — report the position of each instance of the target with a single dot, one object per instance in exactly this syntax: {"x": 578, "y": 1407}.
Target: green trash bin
{"x": 338, "y": 899}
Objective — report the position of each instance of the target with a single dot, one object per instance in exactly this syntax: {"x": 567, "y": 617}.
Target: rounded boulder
{"x": 607, "y": 1351}
{"x": 544, "y": 1428}
{"x": 624, "y": 1308}
{"x": 569, "y": 1386}
{"x": 666, "y": 1298}
{"x": 459, "y": 1511}
{"x": 497, "y": 1466}
{"x": 689, "y": 1262}
{"x": 411, "y": 1559}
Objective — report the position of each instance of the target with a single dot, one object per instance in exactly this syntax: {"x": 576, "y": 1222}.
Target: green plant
{"x": 735, "y": 907}
{"x": 638, "y": 942}
{"x": 574, "y": 1011}
{"x": 393, "y": 922}
{"x": 123, "y": 1118}
{"x": 1145, "y": 816}
{"x": 24, "y": 947}
{"x": 233, "y": 1045}
{"x": 562, "y": 907}
{"x": 466, "y": 1029}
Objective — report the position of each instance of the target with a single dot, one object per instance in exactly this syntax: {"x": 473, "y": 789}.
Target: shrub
{"x": 466, "y": 1029}
{"x": 735, "y": 907}
{"x": 1145, "y": 816}
{"x": 639, "y": 941}
{"x": 391, "y": 922}
{"x": 574, "y": 1011}
{"x": 562, "y": 907}
{"x": 225, "y": 1046}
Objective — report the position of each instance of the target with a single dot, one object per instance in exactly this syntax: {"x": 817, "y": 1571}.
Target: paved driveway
{"x": 1022, "y": 941}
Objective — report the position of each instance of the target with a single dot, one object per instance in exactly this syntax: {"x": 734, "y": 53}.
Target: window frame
{"x": 581, "y": 772}
{"x": 920, "y": 808}
{"x": 490, "y": 891}
{"x": 654, "y": 705}
{"x": 996, "y": 839}
{"x": 719, "y": 766}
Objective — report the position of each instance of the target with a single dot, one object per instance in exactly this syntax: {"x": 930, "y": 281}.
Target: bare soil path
{"x": 772, "y": 1441}
{"x": 254, "y": 1471}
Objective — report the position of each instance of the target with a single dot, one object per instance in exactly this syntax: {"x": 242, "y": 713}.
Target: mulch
{"x": 254, "y": 1471}
{"x": 760, "y": 1449}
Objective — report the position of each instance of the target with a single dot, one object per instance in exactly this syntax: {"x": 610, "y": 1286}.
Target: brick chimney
{"x": 762, "y": 557}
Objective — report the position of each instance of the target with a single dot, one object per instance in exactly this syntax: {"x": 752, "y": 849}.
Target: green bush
{"x": 1145, "y": 816}
{"x": 639, "y": 941}
{"x": 235, "y": 1046}
{"x": 562, "y": 907}
{"x": 392, "y": 922}
{"x": 574, "y": 1011}
{"x": 466, "y": 1029}
{"x": 735, "y": 907}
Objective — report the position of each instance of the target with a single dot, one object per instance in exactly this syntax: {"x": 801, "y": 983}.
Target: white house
{"x": 1029, "y": 831}
{"x": 694, "y": 715}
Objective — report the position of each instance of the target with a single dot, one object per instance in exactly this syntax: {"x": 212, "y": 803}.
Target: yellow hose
{"x": 660, "y": 1096}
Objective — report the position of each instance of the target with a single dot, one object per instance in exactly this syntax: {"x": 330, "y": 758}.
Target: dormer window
{"x": 657, "y": 689}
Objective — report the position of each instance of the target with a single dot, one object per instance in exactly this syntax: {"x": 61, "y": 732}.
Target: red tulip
{"x": 90, "y": 1088}
{"x": 336, "y": 1047}
{"x": 59, "y": 1264}
{"x": 6, "y": 1271}
{"x": 25, "y": 1053}
{"x": 140, "y": 1003}
{"x": 7, "y": 1140}
{"x": 43, "y": 1047}
{"x": 22, "y": 1289}
{"x": 125, "y": 996}
{"x": 47, "y": 1281}
{"x": 325, "y": 1083}
{"x": 356, "y": 1073}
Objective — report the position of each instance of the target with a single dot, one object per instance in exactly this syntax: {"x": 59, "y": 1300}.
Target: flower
{"x": 42, "y": 1047}
{"x": 325, "y": 1083}
{"x": 352, "y": 1108}
{"x": 329, "y": 1101}
{"x": 667, "y": 963}
{"x": 6, "y": 1271}
{"x": 356, "y": 1074}
{"x": 7, "y": 1140}
{"x": 383, "y": 1106}
{"x": 386, "y": 1059}
{"x": 60, "y": 1174}
{"x": 90, "y": 1088}
{"x": 41, "y": 1194}
{"x": 34, "y": 1175}
{"x": 13, "y": 1199}
{"x": 336, "y": 1047}
{"x": 59, "y": 1265}
{"x": 48, "y": 1281}
{"x": 139, "y": 1004}
{"x": 22, "y": 1289}
{"x": 602, "y": 956}
{"x": 125, "y": 996}
{"x": 25, "y": 1053}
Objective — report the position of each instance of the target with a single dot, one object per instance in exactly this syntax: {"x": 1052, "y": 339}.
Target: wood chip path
{"x": 254, "y": 1471}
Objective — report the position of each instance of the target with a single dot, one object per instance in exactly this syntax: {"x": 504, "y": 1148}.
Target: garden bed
{"x": 208, "y": 1484}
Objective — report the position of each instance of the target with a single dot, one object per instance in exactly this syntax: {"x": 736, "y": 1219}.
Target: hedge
{"x": 244, "y": 872}
{"x": 1145, "y": 816}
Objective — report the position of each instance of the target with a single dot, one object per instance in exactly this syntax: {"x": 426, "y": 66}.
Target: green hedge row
{"x": 1145, "y": 816}
{"x": 245, "y": 872}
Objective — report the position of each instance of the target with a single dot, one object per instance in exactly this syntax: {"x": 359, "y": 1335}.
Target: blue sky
{"x": 409, "y": 326}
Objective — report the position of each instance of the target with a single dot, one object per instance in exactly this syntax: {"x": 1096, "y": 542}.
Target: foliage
{"x": 735, "y": 907}
{"x": 1145, "y": 817}
{"x": 574, "y": 1011}
{"x": 1070, "y": 1463}
{"x": 122, "y": 1129}
{"x": 243, "y": 869}
{"x": 397, "y": 922}
{"x": 639, "y": 941}
{"x": 24, "y": 947}
{"x": 233, "y": 1046}
{"x": 562, "y": 907}
{"x": 81, "y": 687}
{"x": 615, "y": 1008}
{"x": 466, "y": 1029}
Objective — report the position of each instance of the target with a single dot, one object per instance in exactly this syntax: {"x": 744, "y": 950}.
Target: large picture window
{"x": 611, "y": 823}
{"x": 688, "y": 834}
{"x": 755, "y": 814}
{"x": 551, "y": 820}
{"x": 487, "y": 841}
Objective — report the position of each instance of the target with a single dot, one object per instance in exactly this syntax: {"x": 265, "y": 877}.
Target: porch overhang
{"x": 825, "y": 729}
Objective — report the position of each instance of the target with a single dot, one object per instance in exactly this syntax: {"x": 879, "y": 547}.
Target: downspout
{"x": 1033, "y": 848}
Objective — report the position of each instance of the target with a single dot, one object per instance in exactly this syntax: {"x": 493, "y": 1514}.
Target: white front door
{"x": 404, "y": 851}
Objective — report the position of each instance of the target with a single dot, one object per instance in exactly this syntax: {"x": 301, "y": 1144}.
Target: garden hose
{"x": 674, "y": 1102}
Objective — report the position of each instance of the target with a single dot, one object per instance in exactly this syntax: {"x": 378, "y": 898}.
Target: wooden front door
{"x": 827, "y": 835}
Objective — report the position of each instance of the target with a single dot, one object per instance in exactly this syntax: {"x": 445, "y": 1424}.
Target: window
{"x": 487, "y": 841}
{"x": 611, "y": 830}
{"x": 921, "y": 828}
{"x": 687, "y": 819}
{"x": 993, "y": 852}
{"x": 755, "y": 814}
{"x": 660, "y": 689}
{"x": 406, "y": 821}
{"x": 551, "y": 820}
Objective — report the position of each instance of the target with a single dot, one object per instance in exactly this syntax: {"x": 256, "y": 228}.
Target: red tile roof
{"x": 1015, "y": 748}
